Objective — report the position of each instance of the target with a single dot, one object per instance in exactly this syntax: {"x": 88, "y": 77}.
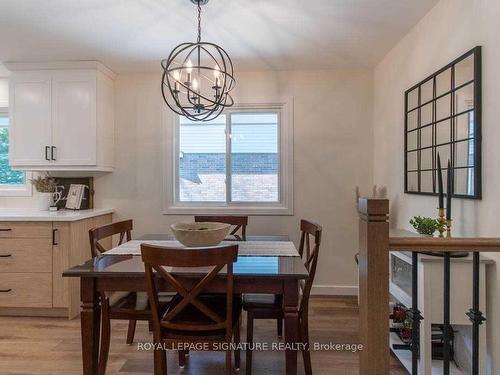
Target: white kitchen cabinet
{"x": 30, "y": 101}
{"x": 61, "y": 116}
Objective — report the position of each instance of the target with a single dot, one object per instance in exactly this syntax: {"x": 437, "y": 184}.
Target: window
{"x": 12, "y": 183}
{"x": 240, "y": 161}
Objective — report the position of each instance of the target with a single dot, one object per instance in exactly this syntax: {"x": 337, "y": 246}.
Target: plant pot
{"x": 45, "y": 200}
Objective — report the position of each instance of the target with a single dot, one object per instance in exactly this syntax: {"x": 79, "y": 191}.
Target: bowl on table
{"x": 200, "y": 234}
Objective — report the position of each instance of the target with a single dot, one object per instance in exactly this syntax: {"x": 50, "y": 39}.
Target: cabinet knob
{"x": 53, "y": 153}
{"x": 47, "y": 153}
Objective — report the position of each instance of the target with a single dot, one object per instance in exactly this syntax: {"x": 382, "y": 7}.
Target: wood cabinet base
{"x": 35, "y": 254}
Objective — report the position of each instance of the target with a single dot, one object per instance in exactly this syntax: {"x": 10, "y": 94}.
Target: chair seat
{"x": 130, "y": 301}
{"x": 251, "y": 299}
{"x": 192, "y": 316}
{"x": 116, "y": 298}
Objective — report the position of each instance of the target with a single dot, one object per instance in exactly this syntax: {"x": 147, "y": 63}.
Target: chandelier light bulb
{"x": 195, "y": 84}
{"x": 189, "y": 66}
{"x": 177, "y": 75}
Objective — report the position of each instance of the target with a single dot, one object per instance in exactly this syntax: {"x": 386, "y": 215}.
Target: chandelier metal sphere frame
{"x": 197, "y": 78}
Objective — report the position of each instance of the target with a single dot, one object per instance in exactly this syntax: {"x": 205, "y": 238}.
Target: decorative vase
{"x": 45, "y": 200}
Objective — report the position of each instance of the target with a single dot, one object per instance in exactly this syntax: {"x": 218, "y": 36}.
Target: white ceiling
{"x": 134, "y": 35}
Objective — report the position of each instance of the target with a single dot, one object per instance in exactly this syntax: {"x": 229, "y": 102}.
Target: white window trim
{"x": 25, "y": 190}
{"x": 284, "y": 207}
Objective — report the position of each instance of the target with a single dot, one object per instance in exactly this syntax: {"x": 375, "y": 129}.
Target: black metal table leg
{"x": 446, "y": 315}
{"x": 474, "y": 314}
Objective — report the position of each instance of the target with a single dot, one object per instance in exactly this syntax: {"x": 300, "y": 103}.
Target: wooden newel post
{"x": 374, "y": 286}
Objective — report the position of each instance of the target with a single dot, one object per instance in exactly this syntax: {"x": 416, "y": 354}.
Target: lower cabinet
{"x": 26, "y": 289}
{"x": 33, "y": 256}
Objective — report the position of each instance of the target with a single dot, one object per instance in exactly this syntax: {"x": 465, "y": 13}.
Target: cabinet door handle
{"x": 54, "y": 231}
{"x": 5, "y": 290}
{"x": 5, "y": 229}
{"x": 5, "y": 255}
{"x": 53, "y": 153}
{"x": 47, "y": 153}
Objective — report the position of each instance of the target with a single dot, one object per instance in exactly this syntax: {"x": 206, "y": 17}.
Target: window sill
{"x": 24, "y": 191}
{"x": 225, "y": 210}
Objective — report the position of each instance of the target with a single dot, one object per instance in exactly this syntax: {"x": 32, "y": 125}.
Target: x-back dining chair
{"x": 239, "y": 223}
{"x": 192, "y": 317}
{"x": 274, "y": 310}
{"x": 131, "y": 306}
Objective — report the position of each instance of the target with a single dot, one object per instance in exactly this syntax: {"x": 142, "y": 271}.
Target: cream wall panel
{"x": 451, "y": 28}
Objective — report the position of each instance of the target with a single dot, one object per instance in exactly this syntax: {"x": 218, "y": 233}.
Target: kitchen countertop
{"x": 61, "y": 215}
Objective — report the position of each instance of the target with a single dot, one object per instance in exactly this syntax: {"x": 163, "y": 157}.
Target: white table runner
{"x": 246, "y": 248}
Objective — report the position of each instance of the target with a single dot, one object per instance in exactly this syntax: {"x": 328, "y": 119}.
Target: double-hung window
{"x": 240, "y": 162}
{"x": 13, "y": 183}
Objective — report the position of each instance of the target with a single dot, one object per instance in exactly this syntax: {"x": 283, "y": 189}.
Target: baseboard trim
{"x": 33, "y": 311}
{"x": 335, "y": 290}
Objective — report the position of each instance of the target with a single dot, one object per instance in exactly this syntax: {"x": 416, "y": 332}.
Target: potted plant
{"x": 424, "y": 225}
{"x": 47, "y": 191}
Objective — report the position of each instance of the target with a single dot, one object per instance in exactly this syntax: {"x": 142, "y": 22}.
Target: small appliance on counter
{"x": 77, "y": 193}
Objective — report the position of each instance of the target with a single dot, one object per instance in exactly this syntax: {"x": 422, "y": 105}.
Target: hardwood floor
{"x": 52, "y": 346}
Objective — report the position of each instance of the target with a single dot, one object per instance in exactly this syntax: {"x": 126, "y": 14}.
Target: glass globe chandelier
{"x": 197, "y": 78}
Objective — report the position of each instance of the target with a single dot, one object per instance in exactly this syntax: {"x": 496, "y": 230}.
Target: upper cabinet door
{"x": 74, "y": 118}
{"x": 30, "y": 117}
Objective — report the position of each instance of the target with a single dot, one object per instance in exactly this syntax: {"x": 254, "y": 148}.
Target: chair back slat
{"x": 210, "y": 262}
{"x": 314, "y": 231}
{"x": 239, "y": 223}
{"x": 123, "y": 228}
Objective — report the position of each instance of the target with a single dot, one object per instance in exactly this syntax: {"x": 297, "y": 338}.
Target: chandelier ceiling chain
{"x": 199, "y": 90}
{"x": 199, "y": 22}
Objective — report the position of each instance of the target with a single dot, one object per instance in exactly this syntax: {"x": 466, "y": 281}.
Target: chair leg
{"x": 160, "y": 362}
{"x": 306, "y": 352}
{"x": 105, "y": 339}
{"x": 131, "y": 331}
{"x": 279, "y": 323}
{"x": 237, "y": 351}
{"x": 249, "y": 343}
{"x": 229, "y": 362}
{"x": 182, "y": 358}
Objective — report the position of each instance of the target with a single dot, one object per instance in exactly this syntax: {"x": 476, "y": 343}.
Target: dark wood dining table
{"x": 252, "y": 274}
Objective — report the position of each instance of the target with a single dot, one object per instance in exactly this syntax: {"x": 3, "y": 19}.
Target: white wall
{"x": 332, "y": 154}
{"x": 451, "y": 28}
{"x": 333, "y": 148}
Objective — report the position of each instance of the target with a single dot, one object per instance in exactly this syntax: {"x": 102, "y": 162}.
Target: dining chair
{"x": 131, "y": 306}
{"x": 206, "y": 320}
{"x": 239, "y": 222}
{"x": 273, "y": 308}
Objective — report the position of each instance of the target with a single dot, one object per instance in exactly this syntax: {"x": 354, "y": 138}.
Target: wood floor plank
{"x": 51, "y": 346}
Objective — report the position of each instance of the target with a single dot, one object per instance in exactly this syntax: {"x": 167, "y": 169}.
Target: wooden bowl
{"x": 200, "y": 234}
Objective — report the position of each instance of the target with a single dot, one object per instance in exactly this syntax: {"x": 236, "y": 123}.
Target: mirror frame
{"x": 473, "y": 170}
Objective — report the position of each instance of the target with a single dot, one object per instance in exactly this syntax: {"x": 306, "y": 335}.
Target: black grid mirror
{"x": 443, "y": 115}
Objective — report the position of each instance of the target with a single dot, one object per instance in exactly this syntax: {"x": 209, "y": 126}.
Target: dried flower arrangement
{"x": 44, "y": 184}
